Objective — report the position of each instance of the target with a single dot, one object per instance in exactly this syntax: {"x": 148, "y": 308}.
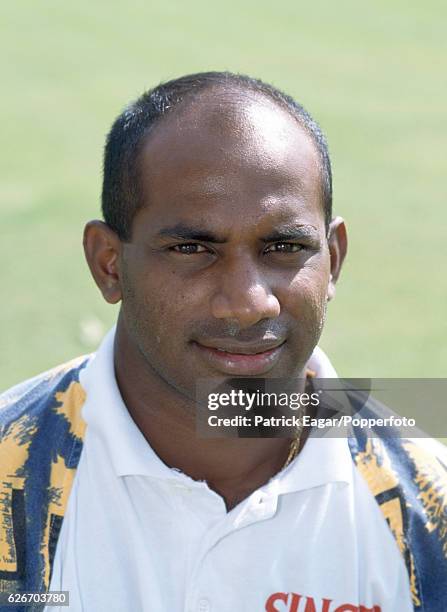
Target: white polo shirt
{"x": 141, "y": 537}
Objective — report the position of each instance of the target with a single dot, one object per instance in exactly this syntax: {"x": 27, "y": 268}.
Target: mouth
{"x": 241, "y": 359}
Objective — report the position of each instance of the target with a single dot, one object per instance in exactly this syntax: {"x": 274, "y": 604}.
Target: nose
{"x": 244, "y": 295}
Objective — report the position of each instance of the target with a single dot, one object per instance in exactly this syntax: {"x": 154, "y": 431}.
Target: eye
{"x": 190, "y": 248}
{"x": 284, "y": 247}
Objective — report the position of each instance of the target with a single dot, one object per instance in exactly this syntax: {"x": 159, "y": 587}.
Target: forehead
{"x": 229, "y": 153}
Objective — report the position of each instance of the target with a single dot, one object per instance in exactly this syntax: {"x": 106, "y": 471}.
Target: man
{"x": 219, "y": 241}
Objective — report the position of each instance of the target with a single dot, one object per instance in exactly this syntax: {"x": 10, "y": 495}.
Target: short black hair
{"x": 121, "y": 197}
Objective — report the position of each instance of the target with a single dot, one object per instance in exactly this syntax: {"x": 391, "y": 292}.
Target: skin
{"x": 229, "y": 247}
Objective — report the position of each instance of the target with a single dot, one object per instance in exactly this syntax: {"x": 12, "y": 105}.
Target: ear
{"x": 338, "y": 246}
{"x": 102, "y": 248}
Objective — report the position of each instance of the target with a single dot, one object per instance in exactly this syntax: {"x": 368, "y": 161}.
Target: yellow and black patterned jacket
{"x": 41, "y": 438}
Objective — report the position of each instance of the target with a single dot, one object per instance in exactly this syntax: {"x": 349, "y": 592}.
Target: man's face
{"x": 228, "y": 267}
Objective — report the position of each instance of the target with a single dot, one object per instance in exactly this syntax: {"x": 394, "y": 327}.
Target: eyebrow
{"x": 187, "y": 232}
{"x": 292, "y": 232}
{"x": 288, "y": 231}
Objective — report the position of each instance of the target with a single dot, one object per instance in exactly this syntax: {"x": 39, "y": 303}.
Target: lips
{"x": 247, "y": 359}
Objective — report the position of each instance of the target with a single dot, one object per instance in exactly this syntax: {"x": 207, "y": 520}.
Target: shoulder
{"x": 385, "y": 456}
{"x": 56, "y": 391}
{"x": 41, "y": 439}
{"x": 413, "y": 473}
{"x": 408, "y": 478}
{"x": 407, "y": 457}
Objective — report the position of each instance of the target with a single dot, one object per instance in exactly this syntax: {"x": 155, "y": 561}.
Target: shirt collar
{"x": 109, "y": 422}
{"x": 321, "y": 460}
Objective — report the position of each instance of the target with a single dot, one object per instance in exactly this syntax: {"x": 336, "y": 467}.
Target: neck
{"x": 233, "y": 467}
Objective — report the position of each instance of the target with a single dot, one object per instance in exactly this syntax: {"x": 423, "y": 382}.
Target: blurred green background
{"x": 373, "y": 74}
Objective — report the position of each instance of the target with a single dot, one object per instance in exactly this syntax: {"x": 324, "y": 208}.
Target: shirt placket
{"x": 199, "y": 597}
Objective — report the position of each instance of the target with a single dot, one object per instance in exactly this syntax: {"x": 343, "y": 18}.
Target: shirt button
{"x": 204, "y": 605}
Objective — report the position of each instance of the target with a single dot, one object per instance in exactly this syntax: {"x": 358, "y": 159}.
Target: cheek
{"x": 158, "y": 308}
{"x": 305, "y": 298}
